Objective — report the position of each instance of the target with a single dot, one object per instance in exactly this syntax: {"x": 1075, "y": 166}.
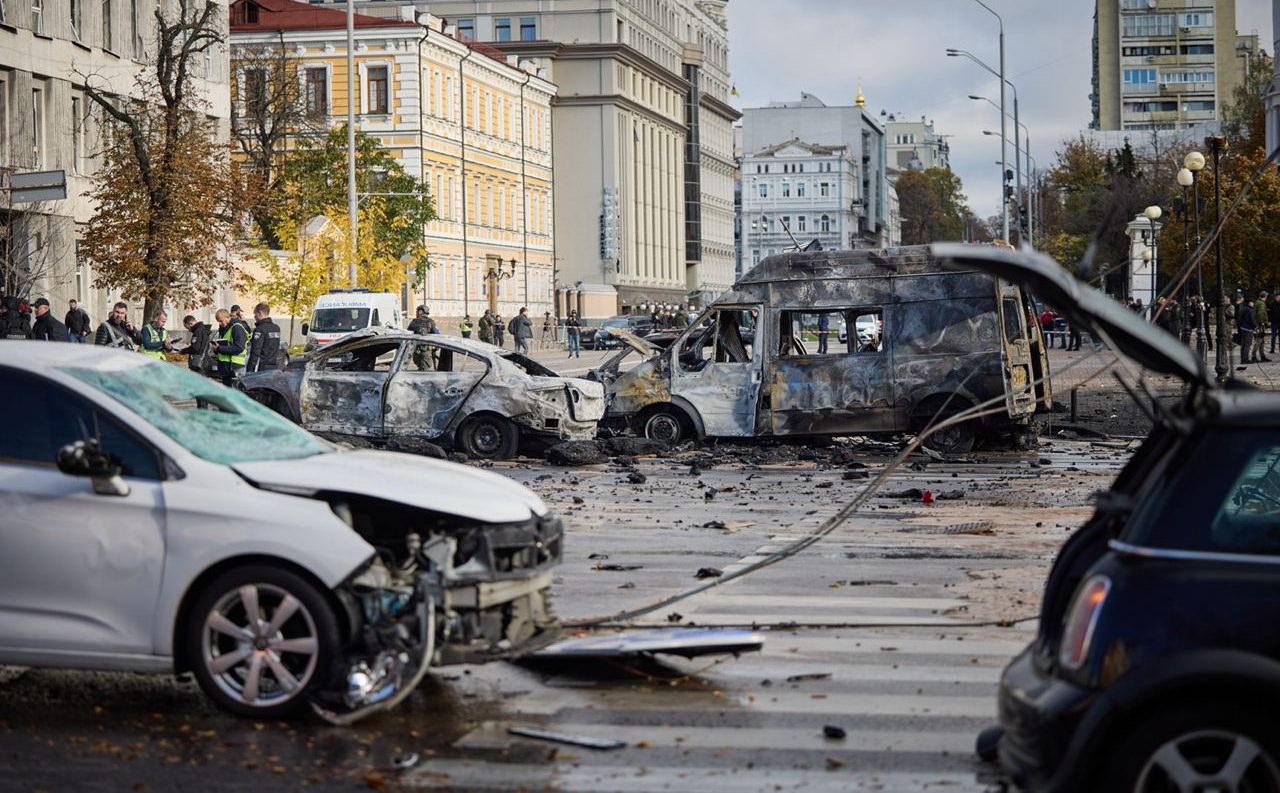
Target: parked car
{"x": 604, "y": 337}
{"x": 388, "y": 384}
{"x": 1156, "y": 663}
{"x": 931, "y": 343}
{"x": 156, "y": 521}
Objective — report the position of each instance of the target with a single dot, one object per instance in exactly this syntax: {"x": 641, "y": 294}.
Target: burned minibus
{"x": 831, "y": 343}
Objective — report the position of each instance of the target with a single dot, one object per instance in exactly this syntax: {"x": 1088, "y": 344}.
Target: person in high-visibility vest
{"x": 231, "y": 346}
{"x": 155, "y": 339}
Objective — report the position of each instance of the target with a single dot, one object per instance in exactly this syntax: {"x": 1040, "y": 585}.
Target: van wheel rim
{"x": 1210, "y": 760}
{"x": 663, "y": 427}
{"x": 260, "y": 645}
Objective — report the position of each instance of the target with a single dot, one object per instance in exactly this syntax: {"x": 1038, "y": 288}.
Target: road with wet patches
{"x": 893, "y": 629}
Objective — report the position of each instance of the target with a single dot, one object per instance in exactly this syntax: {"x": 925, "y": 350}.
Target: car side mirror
{"x": 305, "y": 327}
{"x": 86, "y": 458}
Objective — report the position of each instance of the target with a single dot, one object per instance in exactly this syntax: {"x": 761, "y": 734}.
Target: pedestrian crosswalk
{"x": 877, "y": 647}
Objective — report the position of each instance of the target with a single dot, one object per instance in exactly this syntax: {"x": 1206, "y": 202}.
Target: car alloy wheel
{"x": 260, "y": 645}
{"x": 1209, "y": 760}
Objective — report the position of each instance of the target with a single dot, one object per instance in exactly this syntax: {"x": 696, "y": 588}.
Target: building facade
{"x": 1163, "y": 64}
{"x": 471, "y": 123}
{"x": 795, "y": 193}
{"x": 47, "y": 123}
{"x": 850, "y": 129}
{"x": 913, "y": 145}
{"x": 643, "y": 143}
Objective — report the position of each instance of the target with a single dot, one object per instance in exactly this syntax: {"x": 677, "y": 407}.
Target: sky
{"x": 778, "y": 48}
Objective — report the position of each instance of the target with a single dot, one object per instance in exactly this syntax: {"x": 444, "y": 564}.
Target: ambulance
{"x": 344, "y": 311}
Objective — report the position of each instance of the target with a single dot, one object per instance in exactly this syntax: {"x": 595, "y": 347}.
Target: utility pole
{"x": 353, "y": 211}
{"x": 1273, "y": 90}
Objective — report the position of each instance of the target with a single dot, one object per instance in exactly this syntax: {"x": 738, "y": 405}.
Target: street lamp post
{"x": 1222, "y": 363}
{"x": 1186, "y": 179}
{"x": 1004, "y": 137}
{"x": 1021, "y": 147}
{"x": 1153, "y": 213}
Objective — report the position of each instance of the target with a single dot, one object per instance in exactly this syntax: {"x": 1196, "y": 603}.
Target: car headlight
{"x": 1082, "y": 620}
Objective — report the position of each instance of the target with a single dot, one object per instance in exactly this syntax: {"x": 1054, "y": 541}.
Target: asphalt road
{"x": 897, "y": 624}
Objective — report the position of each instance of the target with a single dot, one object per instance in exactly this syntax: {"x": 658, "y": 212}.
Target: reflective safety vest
{"x": 149, "y": 332}
{"x": 239, "y": 359}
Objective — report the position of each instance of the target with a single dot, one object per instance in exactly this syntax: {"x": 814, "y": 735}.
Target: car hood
{"x": 435, "y": 485}
{"x": 632, "y": 340}
{"x": 1133, "y": 336}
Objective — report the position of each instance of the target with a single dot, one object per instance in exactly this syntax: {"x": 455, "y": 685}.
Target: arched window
{"x": 824, "y": 224}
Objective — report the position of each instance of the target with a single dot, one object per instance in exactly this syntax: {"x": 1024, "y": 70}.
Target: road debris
{"x": 584, "y": 741}
{"x": 834, "y": 732}
{"x": 708, "y": 572}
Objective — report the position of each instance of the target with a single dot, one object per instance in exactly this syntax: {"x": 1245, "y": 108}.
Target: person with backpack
{"x": 198, "y": 352}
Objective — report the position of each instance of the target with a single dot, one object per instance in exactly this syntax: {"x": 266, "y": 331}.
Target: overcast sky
{"x": 779, "y": 48}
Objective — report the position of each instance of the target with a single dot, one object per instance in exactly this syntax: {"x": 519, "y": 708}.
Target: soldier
{"x": 1263, "y": 319}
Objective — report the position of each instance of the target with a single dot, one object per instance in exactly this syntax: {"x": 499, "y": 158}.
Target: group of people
{"x": 226, "y": 354}
{"x": 1249, "y": 323}
{"x": 493, "y": 330}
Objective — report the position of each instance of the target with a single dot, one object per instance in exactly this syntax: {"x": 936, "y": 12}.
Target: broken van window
{"x": 1013, "y": 331}
{"x": 215, "y": 423}
{"x": 723, "y": 335}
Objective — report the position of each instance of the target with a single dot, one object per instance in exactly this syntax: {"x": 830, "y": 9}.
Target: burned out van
{"x": 841, "y": 343}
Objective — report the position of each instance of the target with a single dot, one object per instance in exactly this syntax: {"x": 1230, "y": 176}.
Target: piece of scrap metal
{"x": 585, "y": 741}
{"x": 684, "y": 642}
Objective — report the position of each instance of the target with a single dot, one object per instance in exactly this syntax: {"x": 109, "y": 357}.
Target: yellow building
{"x": 472, "y": 124}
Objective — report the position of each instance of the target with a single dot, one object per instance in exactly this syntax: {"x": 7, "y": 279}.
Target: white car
{"x": 156, "y": 521}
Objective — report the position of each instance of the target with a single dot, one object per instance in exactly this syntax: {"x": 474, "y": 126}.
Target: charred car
{"x": 156, "y": 521}
{"x": 1156, "y": 661}
{"x": 769, "y": 357}
{"x": 384, "y": 384}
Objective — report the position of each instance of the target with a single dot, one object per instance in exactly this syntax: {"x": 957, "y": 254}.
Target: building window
{"x": 802, "y": 223}
{"x": 77, "y": 135}
{"x": 4, "y": 122}
{"x": 135, "y": 29}
{"x": 502, "y": 29}
{"x": 800, "y": 187}
{"x": 786, "y": 189}
{"x": 1144, "y": 52}
{"x": 1139, "y": 76}
{"x": 75, "y": 19}
{"x": 764, "y": 190}
{"x": 1187, "y": 77}
{"x": 467, "y": 29}
{"x": 1196, "y": 19}
{"x": 1, "y": 10}
{"x": 255, "y": 93}
{"x": 37, "y": 126}
{"x": 378, "y": 96}
{"x": 1143, "y": 25}
{"x": 824, "y": 189}
{"x": 786, "y": 223}
{"x": 106, "y": 24}
{"x": 824, "y": 224}
{"x": 1197, "y": 49}
{"x": 1198, "y": 105}
{"x": 317, "y": 91}
{"x": 528, "y": 29}
{"x": 37, "y": 17}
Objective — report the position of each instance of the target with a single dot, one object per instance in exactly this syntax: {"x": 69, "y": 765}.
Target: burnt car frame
{"x": 393, "y": 385}
{"x": 1156, "y": 661}
{"x": 951, "y": 341}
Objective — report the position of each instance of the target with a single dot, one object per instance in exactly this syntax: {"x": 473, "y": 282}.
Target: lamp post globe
{"x": 1185, "y": 177}
{"x": 1194, "y": 161}
{"x": 1146, "y": 255}
{"x": 1153, "y": 213}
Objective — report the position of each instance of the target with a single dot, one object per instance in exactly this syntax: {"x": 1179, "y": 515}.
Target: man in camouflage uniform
{"x": 1264, "y": 328}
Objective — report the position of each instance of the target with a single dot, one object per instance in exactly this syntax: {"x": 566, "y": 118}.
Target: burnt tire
{"x": 261, "y": 641}
{"x": 955, "y": 439}
{"x": 488, "y": 437}
{"x": 666, "y": 424}
{"x": 1197, "y": 745}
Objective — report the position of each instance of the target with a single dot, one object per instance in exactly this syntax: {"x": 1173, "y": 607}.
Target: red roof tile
{"x": 285, "y": 15}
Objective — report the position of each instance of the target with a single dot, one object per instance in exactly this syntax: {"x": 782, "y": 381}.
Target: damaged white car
{"x": 391, "y": 385}
{"x": 156, "y": 521}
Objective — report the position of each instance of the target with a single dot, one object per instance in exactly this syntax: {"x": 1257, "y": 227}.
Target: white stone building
{"x": 47, "y": 52}
{"x": 800, "y": 128}
{"x": 913, "y": 145}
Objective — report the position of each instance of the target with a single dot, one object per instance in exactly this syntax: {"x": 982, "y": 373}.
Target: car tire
{"x": 666, "y": 424}
{"x": 956, "y": 439}
{"x": 259, "y": 667}
{"x": 488, "y": 437}
{"x": 1196, "y": 744}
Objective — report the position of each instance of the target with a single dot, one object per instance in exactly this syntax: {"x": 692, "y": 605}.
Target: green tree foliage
{"x": 393, "y": 210}
{"x": 933, "y": 206}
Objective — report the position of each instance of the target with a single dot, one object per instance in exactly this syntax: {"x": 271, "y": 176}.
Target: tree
{"x": 269, "y": 110}
{"x": 394, "y": 208}
{"x": 167, "y": 192}
{"x": 30, "y": 244}
{"x": 933, "y": 206}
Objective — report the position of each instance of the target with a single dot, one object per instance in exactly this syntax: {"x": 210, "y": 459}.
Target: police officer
{"x": 230, "y": 347}
{"x": 155, "y": 339}
{"x": 264, "y": 343}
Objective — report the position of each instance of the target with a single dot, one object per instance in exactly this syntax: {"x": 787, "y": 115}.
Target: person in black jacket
{"x": 47, "y": 327}
{"x": 1247, "y": 325}
{"x": 117, "y": 331}
{"x": 78, "y": 323}
{"x": 198, "y": 351}
{"x": 264, "y": 342}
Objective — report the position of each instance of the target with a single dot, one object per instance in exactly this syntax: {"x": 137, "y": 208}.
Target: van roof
{"x": 842, "y": 265}
{"x": 340, "y": 299}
